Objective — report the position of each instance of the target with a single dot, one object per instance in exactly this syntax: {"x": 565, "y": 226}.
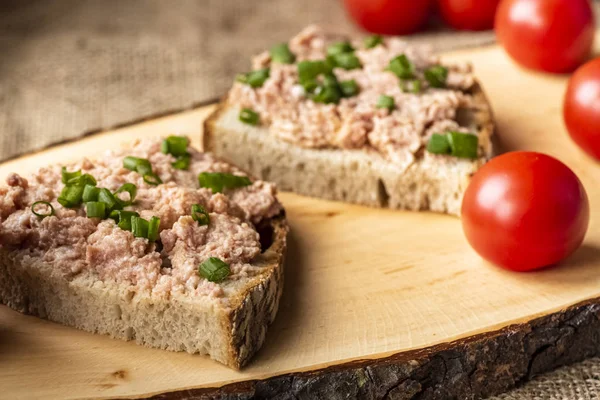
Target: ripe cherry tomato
{"x": 525, "y": 210}
{"x": 547, "y": 35}
{"x": 581, "y": 108}
{"x": 472, "y": 15}
{"x": 390, "y": 17}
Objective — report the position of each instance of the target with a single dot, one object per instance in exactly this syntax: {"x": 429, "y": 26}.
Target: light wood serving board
{"x": 372, "y": 297}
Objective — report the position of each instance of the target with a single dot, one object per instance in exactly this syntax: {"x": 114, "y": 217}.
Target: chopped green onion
{"x": 385, "y": 102}
{"x": 139, "y": 165}
{"x": 339, "y": 48}
{"x": 200, "y": 215}
{"x": 112, "y": 203}
{"x": 182, "y": 162}
{"x": 175, "y": 145}
{"x": 71, "y": 196}
{"x": 344, "y": 60}
{"x": 412, "y": 86}
{"x": 436, "y": 76}
{"x": 373, "y": 41}
{"x": 349, "y": 88}
{"x": 327, "y": 93}
{"x": 249, "y": 116}
{"x": 308, "y": 71}
{"x": 281, "y": 53}
{"x": 255, "y": 78}
{"x": 139, "y": 227}
{"x": 123, "y": 218}
{"x": 153, "y": 226}
{"x": 40, "y": 214}
{"x": 152, "y": 179}
{"x": 95, "y": 209}
{"x": 85, "y": 179}
{"x": 402, "y": 67}
{"x": 90, "y": 193}
{"x": 438, "y": 144}
{"x": 66, "y": 176}
{"x": 217, "y": 181}
{"x": 129, "y": 188}
{"x": 463, "y": 145}
{"x": 214, "y": 269}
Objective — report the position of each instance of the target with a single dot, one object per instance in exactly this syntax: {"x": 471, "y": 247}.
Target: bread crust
{"x": 175, "y": 324}
{"x": 356, "y": 176}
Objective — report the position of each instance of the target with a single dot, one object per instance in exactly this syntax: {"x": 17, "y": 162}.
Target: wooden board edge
{"x": 478, "y": 366}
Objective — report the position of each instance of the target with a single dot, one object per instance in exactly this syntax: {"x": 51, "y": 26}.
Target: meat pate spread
{"x": 75, "y": 244}
{"x": 357, "y": 122}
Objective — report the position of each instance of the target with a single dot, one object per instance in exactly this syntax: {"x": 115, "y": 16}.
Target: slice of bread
{"x": 230, "y": 329}
{"x": 355, "y": 176}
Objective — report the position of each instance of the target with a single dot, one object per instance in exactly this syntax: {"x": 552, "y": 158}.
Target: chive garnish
{"x": 436, "y": 76}
{"x": 41, "y": 214}
{"x": 217, "y": 181}
{"x": 129, "y": 188}
{"x": 214, "y": 269}
{"x": 249, "y": 116}
{"x": 123, "y": 218}
{"x": 85, "y": 179}
{"x": 255, "y": 78}
{"x": 327, "y": 93}
{"x": 175, "y": 145}
{"x": 153, "y": 226}
{"x": 373, "y": 41}
{"x": 349, "y": 88}
{"x": 90, "y": 193}
{"x": 152, "y": 179}
{"x": 457, "y": 144}
{"x": 139, "y": 227}
{"x": 182, "y": 162}
{"x": 281, "y": 53}
{"x": 339, "y": 48}
{"x": 402, "y": 67}
{"x": 142, "y": 167}
{"x": 95, "y": 209}
{"x": 411, "y": 86}
{"x": 67, "y": 176}
{"x": 308, "y": 71}
{"x": 71, "y": 196}
{"x": 344, "y": 60}
{"x": 385, "y": 102}
{"x": 200, "y": 215}
{"x": 111, "y": 201}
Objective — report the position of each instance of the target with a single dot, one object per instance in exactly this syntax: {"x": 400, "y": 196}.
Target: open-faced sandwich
{"x": 375, "y": 122}
{"x": 156, "y": 243}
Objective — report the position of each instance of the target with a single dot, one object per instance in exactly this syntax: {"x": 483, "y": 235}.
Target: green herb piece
{"x": 214, "y": 269}
{"x": 182, "y": 162}
{"x": 255, "y": 78}
{"x": 139, "y": 227}
{"x": 411, "y": 86}
{"x": 153, "y": 226}
{"x": 385, "y": 102}
{"x": 152, "y": 179}
{"x": 349, "y": 88}
{"x": 123, "y": 218}
{"x": 129, "y": 188}
{"x": 217, "y": 181}
{"x": 309, "y": 71}
{"x": 402, "y": 67}
{"x": 463, "y": 145}
{"x": 249, "y": 116}
{"x": 373, "y": 41}
{"x": 90, "y": 193}
{"x": 71, "y": 196}
{"x": 140, "y": 165}
{"x": 200, "y": 215}
{"x": 436, "y": 76}
{"x": 175, "y": 145}
{"x": 35, "y": 209}
{"x": 344, "y": 60}
{"x": 111, "y": 201}
{"x": 95, "y": 209}
{"x": 327, "y": 94}
{"x": 66, "y": 176}
{"x": 438, "y": 144}
{"x": 85, "y": 179}
{"x": 281, "y": 53}
{"x": 339, "y": 48}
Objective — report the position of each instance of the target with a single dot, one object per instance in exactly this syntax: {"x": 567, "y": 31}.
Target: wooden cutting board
{"x": 377, "y": 303}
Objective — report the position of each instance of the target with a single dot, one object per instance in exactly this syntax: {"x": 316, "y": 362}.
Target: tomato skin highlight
{"x": 547, "y": 35}
{"x": 390, "y": 17}
{"x": 524, "y": 211}
{"x": 581, "y": 107}
{"x": 472, "y": 15}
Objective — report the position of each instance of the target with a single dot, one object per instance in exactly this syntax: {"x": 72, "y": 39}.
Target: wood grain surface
{"x": 363, "y": 284}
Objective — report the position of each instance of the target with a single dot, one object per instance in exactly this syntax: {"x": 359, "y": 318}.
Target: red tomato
{"x": 472, "y": 15}
{"x": 547, "y": 35}
{"x": 525, "y": 210}
{"x": 581, "y": 109}
{"x": 390, "y": 17}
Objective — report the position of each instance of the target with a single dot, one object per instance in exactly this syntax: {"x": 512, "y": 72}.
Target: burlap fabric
{"x": 70, "y": 67}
